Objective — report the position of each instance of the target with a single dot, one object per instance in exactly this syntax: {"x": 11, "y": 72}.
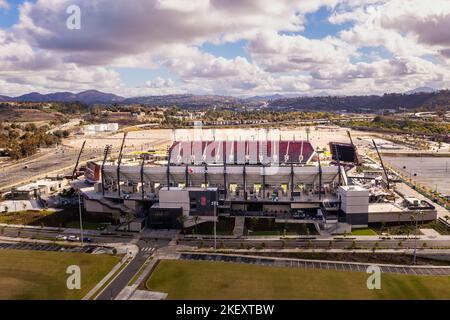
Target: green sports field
{"x": 42, "y": 275}
{"x": 200, "y": 280}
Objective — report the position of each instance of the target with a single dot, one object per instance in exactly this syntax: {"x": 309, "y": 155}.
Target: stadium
{"x": 286, "y": 180}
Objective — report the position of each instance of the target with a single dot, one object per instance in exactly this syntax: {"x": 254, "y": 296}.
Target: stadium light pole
{"x": 214, "y": 203}
{"x": 415, "y": 238}
{"x": 81, "y": 220}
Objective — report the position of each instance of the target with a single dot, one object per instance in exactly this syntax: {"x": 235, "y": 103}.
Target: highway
{"x": 62, "y": 159}
{"x": 50, "y": 162}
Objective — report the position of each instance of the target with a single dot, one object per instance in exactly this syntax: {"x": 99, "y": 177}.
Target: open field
{"x": 27, "y": 115}
{"x": 198, "y": 280}
{"x": 42, "y": 275}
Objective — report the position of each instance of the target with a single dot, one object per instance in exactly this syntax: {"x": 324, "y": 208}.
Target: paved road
{"x": 130, "y": 270}
{"x": 44, "y": 234}
{"x": 124, "y": 278}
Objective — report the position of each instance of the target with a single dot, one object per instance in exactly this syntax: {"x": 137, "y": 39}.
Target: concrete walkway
{"x": 239, "y": 224}
{"x": 430, "y": 233}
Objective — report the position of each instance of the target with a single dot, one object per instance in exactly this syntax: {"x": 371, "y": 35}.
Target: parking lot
{"x": 314, "y": 264}
{"x": 46, "y": 247}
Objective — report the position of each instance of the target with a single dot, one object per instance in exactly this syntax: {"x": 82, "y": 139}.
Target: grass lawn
{"x": 86, "y": 225}
{"x": 67, "y": 218}
{"x": 200, "y": 280}
{"x": 41, "y": 275}
{"x": 25, "y": 217}
{"x": 364, "y": 232}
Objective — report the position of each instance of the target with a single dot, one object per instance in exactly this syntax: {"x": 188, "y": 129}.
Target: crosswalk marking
{"x": 148, "y": 249}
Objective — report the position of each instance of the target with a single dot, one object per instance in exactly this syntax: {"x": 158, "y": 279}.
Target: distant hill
{"x": 415, "y": 100}
{"x": 421, "y": 90}
{"x": 272, "y": 97}
{"x": 189, "y": 101}
{"x": 88, "y": 97}
{"x": 361, "y": 103}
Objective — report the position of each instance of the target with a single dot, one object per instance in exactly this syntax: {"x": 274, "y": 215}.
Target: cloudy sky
{"x": 231, "y": 47}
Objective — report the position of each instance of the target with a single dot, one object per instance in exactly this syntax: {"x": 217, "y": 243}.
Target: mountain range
{"x": 417, "y": 98}
{"x": 88, "y": 97}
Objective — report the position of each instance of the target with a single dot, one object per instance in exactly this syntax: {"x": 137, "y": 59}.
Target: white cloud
{"x": 4, "y": 4}
{"x": 41, "y": 54}
{"x": 282, "y": 53}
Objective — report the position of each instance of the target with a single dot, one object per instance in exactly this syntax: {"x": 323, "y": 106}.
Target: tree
{"x": 116, "y": 217}
{"x": 195, "y": 223}
{"x": 182, "y": 219}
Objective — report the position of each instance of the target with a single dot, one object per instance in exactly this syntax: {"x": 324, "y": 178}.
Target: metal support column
{"x": 292, "y": 180}
{"x": 320, "y": 178}
{"x": 206, "y": 175}
{"x": 168, "y": 171}
{"x": 106, "y": 153}
{"x": 119, "y": 162}
{"x": 264, "y": 181}
{"x": 339, "y": 164}
{"x": 142, "y": 178}
{"x": 245, "y": 180}
{"x": 382, "y": 164}
{"x": 78, "y": 160}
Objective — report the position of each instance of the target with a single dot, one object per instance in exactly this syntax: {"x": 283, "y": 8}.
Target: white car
{"x": 61, "y": 237}
{"x": 73, "y": 238}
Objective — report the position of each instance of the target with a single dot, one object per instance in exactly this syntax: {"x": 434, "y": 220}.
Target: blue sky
{"x": 243, "y": 48}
